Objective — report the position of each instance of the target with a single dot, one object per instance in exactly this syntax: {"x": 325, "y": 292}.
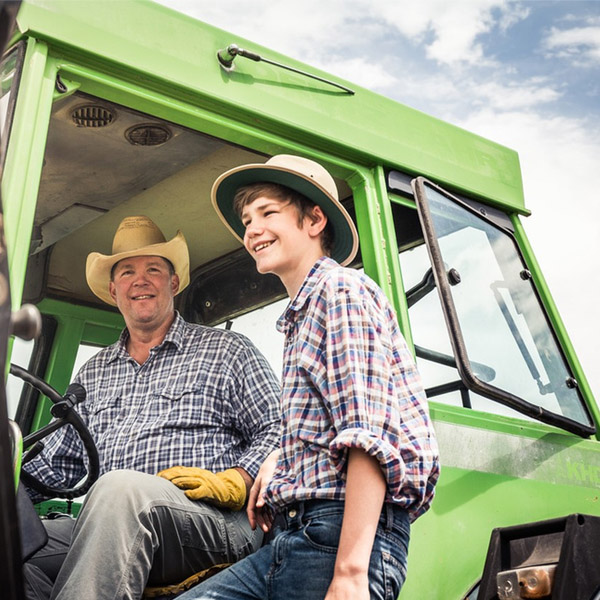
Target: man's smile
{"x": 142, "y": 297}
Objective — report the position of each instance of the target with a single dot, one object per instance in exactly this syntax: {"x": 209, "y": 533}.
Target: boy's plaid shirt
{"x": 349, "y": 381}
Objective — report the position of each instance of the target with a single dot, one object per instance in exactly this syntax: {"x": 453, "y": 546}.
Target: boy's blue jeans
{"x": 298, "y": 563}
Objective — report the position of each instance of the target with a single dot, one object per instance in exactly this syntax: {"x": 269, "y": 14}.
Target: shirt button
{"x": 292, "y": 513}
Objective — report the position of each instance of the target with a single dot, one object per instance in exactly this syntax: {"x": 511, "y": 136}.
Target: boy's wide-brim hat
{"x": 137, "y": 236}
{"x": 297, "y": 173}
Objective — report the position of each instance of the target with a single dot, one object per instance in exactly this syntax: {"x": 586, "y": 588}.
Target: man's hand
{"x": 226, "y": 489}
{"x": 258, "y": 512}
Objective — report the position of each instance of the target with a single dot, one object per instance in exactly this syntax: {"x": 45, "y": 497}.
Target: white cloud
{"x": 512, "y": 15}
{"x": 514, "y": 95}
{"x": 454, "y": 26}
{"x": 582, "y": 44}
{"x": 305, "y": 30}
{"x": 429, "y": 92}
{"x": 451, "y": 98}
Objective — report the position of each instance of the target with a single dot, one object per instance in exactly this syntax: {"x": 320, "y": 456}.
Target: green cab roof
{"x": 175, "y": 52}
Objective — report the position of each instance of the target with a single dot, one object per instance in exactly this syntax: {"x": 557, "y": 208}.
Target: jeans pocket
{"x": 387, "y": 568}
{"x": 323, "y": 533}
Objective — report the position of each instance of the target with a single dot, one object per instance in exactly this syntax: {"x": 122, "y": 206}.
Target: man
{"x": 196, "y": 405}
{"x": 358, "y": 460}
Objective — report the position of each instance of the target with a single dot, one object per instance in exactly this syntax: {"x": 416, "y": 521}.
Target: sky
{"x": 525, "y": 74}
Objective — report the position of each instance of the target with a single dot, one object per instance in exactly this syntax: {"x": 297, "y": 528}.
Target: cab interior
{"x": 103, "y": 162}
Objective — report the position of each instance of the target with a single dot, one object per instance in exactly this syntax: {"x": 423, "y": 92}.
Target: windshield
{"x": 501, "y": 338}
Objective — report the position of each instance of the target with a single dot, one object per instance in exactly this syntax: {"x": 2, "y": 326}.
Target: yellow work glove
{"x": 226, "y": 488}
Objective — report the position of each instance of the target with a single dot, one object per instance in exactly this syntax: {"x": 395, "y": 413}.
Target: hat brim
{"x": 98, "y": 266}
{"x": 345, "y": 244}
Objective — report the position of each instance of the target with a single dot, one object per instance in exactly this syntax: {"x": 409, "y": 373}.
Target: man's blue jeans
{"x": 298, "y": 563}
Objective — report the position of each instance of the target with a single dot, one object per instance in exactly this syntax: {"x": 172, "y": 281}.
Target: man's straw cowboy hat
{"x": 137, "y": 236}
{"x": 297, "y": 173}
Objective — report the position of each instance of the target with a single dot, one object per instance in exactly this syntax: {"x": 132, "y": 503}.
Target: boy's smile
{"x": 262, "y": 246}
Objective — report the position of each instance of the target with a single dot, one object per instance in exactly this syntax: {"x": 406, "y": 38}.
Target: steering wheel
{"x": 64, "y": 413}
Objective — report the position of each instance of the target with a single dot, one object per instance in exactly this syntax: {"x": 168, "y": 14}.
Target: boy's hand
{"x": 258, "y": 512}
{"x": 226, "y": 488}
{"x": 365, "y": 493}
{"x": 344, "y": 587}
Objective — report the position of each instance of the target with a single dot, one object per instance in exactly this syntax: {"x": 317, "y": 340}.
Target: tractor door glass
{"x": 84, "y": 353}
{"x": 21, "y": 355}
{"x": 500, "y": 336}
{"x": 10, "y": 72}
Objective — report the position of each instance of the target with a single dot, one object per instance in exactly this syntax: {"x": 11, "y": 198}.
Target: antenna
{"x": 227, "y": 55}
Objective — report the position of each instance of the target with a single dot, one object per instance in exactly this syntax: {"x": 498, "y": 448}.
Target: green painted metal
{"x": 390, "y": 247}
{"x": 60, "y": 365}
{"x": 24, "y": 160}
{"x": 17, "y": 454}
{"x": 403, "y": 318}
{"x": 286, "y": 103}
{"x": 496, "y": 472}
{"x": 109, "y": 319}
{"x": 58, "y": 506}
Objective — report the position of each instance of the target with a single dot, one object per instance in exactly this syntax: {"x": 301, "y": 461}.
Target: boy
{"x": 358, "y": 458}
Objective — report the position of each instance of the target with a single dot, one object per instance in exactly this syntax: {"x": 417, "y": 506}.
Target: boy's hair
{"x": 249, "y": 193}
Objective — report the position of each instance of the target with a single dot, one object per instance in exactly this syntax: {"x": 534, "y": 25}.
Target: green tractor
{"x": 105, "y": 117}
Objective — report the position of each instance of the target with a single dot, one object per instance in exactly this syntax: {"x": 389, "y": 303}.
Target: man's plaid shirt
{"x": 204, "y": 398}
{"x": 349, "y": 381}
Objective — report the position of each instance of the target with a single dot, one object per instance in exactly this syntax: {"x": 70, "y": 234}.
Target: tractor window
{"x": 500, "y": 339}
{"x": 10, "y": 73}
{"x": 259, "y": 326}
{"x": 21, "y": 355}
{"x": 84, "y": 353}
{"x": 435, "y": 358}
